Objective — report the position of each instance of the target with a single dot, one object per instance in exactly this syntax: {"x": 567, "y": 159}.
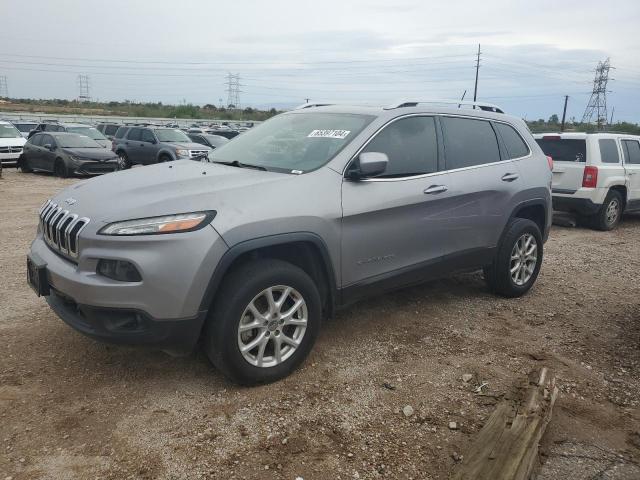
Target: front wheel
{"x": 23, "y": 165}
{"x": 123, "y": 161}
{"x": 60, "y": 169}
{"x": 264, "y": 322}
{"x": 518, "y": 260}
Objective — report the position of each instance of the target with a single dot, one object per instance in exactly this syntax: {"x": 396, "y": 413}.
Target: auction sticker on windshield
{"x": 340, "y": 134}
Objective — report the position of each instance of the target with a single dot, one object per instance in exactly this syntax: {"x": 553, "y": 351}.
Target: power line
{"x": 598, "y": 101}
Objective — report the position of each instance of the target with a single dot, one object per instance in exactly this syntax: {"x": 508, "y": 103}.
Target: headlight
{"x": 181, "y": 152}
{"x": 182, "y": 222}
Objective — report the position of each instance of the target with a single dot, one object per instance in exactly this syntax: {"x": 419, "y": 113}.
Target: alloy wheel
{"x": 613, "y": 210}
{"x": 524, "y": 257}
{"x": 272, "y": 326}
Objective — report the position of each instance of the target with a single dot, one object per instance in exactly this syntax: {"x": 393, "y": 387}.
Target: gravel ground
{"x": 71, "y": 408}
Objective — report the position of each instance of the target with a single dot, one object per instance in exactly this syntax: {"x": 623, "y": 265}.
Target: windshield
{"x": 216, "y": 140}
{"x": 25, "y": 127}
{"x": 171, "y": 135}
{"x": 87, "y": 131}
{"x": 294, "y": 143}
{"x": 76, "y": 141}
{"x": 9, "y": 131}
{"x": 564, "y": 149}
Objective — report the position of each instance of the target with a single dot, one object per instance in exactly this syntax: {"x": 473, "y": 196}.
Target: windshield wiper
{"x": 238, "y": 164}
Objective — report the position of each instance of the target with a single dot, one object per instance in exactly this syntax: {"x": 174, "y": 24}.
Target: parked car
{"x": 227, "y": 133}
{"x": 66, "y": 154}
{"x": 11, "y": 143}
{"x": 147, "y": 145}
{"x": 595, "y": 176}
{"x": 211, "y": 141}
{"x": 305, "y": 213}
{"x": 80, "y": 128}
{"x": 25, "y": 127}
{"x": 108, "y": 129}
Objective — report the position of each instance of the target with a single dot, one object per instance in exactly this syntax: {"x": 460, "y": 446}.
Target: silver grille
{"x": 197, "y": 153}
{"x": 10, "y": 149}
{"x": 61, "y": 229}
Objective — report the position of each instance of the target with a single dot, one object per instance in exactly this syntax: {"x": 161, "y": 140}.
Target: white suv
{"x": 11, "y": 143}
{"x": 595, "y": 175}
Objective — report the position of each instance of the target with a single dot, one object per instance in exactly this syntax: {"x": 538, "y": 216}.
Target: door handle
{"x": 142, "y": 144}
{"x": 510, "y": 177}
{"x": 433, "y": 189}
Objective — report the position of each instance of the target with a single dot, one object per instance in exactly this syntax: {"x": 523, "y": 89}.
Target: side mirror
{"x": 48, "y": 146}
{"x": 369, "y": 164}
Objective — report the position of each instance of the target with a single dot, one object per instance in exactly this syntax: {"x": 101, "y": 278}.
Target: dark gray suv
{"x": 147, "y": 145}
{"x": 308, "y": 212}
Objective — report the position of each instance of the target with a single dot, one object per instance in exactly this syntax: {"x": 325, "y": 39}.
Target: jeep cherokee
{"x": 305, "y": 213}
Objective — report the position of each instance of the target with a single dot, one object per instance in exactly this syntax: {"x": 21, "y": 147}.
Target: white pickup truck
{"x": 595, "y": 175}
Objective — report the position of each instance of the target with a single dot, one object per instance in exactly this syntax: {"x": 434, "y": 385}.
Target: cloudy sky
{"x": 533, "y": 53}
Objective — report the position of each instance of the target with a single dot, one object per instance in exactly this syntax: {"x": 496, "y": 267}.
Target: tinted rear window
{"x": 564, "y": 150}
{"x": 134, "y": 134}
{"x": 121, "y": 131}
{"x": 469, "y": 142}
{"x": 110, "y": 129}
{"x": 515, "y": 145}
{"x": 608, "y": 151}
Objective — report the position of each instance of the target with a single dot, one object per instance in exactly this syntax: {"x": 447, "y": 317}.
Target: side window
{"x": 110, "y": 129}
{"x": 469, "y": 142}
{"x": 134, "y": 134}
{"x": 121, "y": 132}
{"x": 411, "y": 145}
{"x": 36, "y": 140}
{"x": 631, "y": 151}
{"x": 147, "y": 136}
{"x": 47, "y": 140}
{"x": 608, "y": 151}
{"x": 516, "y": 146}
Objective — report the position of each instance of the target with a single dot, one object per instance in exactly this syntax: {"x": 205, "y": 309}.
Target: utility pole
{"x": 4, "y": 90}
{"x": 233, "y": 90}
{"x": 83, "y": 88}
{"x": 598, "y": 102}
{"x": 475, "y": 90}
{"x": 564, "y": 112}
{"x": 612, "y": 110}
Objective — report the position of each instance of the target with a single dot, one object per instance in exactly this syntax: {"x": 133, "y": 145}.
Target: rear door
{"x": 31, "y": 151}
{"x": 391, "y": 223}
{"x": 148, "y": 146}
{"x": 631, "y": 153}
{"x": 483, "y": 181}
{"x": 132, "y": 145}
{"x": 569, "y": 159}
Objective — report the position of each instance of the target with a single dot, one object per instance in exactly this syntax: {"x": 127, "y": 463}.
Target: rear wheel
{"x": 518, "y": 260}
{"x": 60, "y": 169}
{"x": 264, "y": 322}
{"x": 23, "y": 165}
{"x": 610, "y": 213}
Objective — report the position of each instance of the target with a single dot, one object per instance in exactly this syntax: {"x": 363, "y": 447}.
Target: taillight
{"x": 550, "y": 162}
{"x": 590, "y": 177}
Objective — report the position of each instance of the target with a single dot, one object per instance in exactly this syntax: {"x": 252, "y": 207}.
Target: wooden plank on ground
{"x": 507, "y": 446}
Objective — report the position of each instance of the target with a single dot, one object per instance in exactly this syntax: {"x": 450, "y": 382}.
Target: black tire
{"x": 603, "y": 220}
{"x": 60, "y": 168}
{"x": 164, "y": 158}
{"x": 498, "y": 275}
{"x": 23, "y": 165}
{"x": 123, "y": 160}
{"x": 239, "y": 289}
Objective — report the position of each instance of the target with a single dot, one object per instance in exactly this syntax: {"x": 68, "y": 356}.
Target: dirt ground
{"x": 72, "y": 408}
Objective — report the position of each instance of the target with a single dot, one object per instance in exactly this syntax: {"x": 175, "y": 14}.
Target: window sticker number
{"x": 339, "y": 134}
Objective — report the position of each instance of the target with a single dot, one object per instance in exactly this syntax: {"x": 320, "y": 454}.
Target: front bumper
{"x": 163, "y": 309}
{"x": 128, "y": 327}
{"x": 95, "y": 168}
{"x": 9, "y": 158}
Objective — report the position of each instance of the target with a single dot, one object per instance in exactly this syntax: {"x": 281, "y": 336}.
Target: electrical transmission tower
{"x": 233, "y": 91}
{"x": 4, "y": 89}
{"x": 598, "y": 102}
{"x": 83, "y": 88}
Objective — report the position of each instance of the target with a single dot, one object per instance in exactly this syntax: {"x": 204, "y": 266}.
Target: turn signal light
{"x": 590, "y": 177}
{"x": 550, "y": 162}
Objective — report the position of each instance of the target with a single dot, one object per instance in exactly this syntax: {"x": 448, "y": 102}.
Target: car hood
{"x": 166, "y": 188}
{"x": 99, "y": 154}
{"x": 104, "y": 142}
{"x": 12, "y": 142}
{"x": 188, "y": 145}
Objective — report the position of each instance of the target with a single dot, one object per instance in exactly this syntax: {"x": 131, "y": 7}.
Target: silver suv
{"x": 305, "y": 213}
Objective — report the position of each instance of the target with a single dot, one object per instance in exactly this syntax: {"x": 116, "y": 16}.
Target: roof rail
{"x": 311, "y": 105}
{"x": 487, "y": 107}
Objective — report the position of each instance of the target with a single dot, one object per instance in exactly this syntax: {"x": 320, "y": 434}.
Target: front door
{"x": 631, "y": 152}
{"x": 47, "y": 156}
{"x": 392, "y": 223}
